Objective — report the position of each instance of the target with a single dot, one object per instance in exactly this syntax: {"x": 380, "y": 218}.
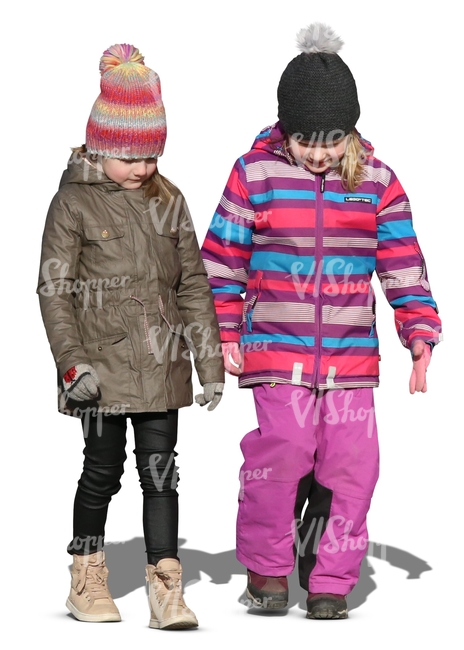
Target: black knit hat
{"x": 317, "y": 93}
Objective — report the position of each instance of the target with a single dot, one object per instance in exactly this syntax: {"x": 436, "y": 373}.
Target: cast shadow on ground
{"x": 126, "y": 563}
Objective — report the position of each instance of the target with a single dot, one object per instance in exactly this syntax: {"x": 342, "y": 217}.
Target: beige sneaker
{"x": 89, "y": 599}
{"x": 167, "y": 607}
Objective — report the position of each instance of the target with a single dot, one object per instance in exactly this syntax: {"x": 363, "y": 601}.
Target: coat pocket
{"x": 166, "y": 227}
{"x": 110, "y": 358}
{"x": 168, "y": 231}
{"x": 250, "y": 303}
{"x": 105, "y": 243}
{"x": 166, "y": 216}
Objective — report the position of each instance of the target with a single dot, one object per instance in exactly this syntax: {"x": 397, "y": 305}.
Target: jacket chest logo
{"x": 358, "y": 199}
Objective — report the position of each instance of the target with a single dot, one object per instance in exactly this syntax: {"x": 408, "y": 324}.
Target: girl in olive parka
{"x": 125, "y": 301}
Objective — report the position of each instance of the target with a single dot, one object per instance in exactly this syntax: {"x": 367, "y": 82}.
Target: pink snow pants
{"x": 311, "y": 447}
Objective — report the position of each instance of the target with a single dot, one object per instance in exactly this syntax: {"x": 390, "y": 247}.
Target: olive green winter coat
{"x": 122, "y": 287}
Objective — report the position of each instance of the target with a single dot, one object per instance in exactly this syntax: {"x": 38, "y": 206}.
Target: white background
{"x": 219, "y": 66}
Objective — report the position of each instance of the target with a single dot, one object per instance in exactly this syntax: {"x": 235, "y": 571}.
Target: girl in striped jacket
{"x": 306, "y": 217}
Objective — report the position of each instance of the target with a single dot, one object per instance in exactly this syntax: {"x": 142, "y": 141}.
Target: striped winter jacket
{"x": 303, "y": 251}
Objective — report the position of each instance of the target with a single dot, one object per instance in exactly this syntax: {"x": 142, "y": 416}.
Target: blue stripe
{"x": 282, "y": 194}
{"x": 278, "y": 338}
{"x": 426, "y": 300}
{"x": 340, "y": 198}
{"x": 263, "y": 135}
{"x": 229, "y": 288}
{"x": 229, "y": 231}
{"x": 348, "y": 342}
{"x": 270, "y": 261}
{"x": 242, "y": 162}
{"x": 395, "y": 230}
{"x": 348, "y": 264}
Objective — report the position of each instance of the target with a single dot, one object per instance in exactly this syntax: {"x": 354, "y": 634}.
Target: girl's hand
{"x": 232, "y": 349}
{"x": 212, "y": 393}
{"x": 81, "y": 383}
{"x": 421, "y": 358}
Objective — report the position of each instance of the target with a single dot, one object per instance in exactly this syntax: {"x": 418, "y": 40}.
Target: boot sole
{"x": 326, "y": 614}
{"x": 91, "y": 618}
{"x": 277, "y": 604}
{"x": 182, "y": 624}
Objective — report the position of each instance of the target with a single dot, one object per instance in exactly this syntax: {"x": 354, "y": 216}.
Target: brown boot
{"x": 326, "y": 606}
{"x": 167, "y": 607}
{"x": 267, "y": 592}
{"x": 89, "y": 599}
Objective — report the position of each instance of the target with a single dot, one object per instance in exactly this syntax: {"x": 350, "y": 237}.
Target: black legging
{"x": 105, "y": 441}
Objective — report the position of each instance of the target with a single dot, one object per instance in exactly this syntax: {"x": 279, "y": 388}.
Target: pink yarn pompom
{"x": 117, "y": 54}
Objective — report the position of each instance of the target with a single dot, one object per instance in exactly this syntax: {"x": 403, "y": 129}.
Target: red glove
{"x": 421, "y": 355}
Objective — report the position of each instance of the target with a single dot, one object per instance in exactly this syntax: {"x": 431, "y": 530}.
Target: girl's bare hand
{"x": 421, "y": 360}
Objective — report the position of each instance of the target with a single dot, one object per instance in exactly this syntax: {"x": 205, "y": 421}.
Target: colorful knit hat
{"x": 128, "y": 118}
{"x": 317, "y": 93}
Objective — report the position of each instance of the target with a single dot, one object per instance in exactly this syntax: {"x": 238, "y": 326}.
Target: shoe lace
{"x": 171, "y": 579}
{"x": 169, "y": 590}
{"x": 93, "y": 578}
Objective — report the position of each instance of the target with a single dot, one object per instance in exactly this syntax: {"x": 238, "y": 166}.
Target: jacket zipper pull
{"x": 249, "y": 316}
{"x": 322, "y": 183}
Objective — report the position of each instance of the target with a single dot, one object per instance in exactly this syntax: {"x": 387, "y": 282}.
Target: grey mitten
{"x": 212, "y": 392}
{"x": 81, "y": 383}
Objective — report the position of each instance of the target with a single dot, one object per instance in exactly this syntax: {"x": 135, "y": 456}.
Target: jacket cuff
{"x": 432, "y": 344}
{"x": 69, "y": 362}
{"x": 229, "y": 336}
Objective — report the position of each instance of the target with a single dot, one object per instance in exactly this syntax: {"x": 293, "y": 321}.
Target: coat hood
{"x": 272, "y": 139}
{"x": 80, "y": 170}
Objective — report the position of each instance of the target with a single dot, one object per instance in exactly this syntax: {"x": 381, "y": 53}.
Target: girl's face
{"x": 318, "y": 156}
{"x": 130, "y": 174}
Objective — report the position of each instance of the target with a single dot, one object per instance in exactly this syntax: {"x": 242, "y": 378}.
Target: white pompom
{"x": 318, "y": 38}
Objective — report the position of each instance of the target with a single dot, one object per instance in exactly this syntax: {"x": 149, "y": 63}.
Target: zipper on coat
{"x": 318, "y": 260}
{"x": 132, "y": 242}
{"x": 247, "y": 313}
